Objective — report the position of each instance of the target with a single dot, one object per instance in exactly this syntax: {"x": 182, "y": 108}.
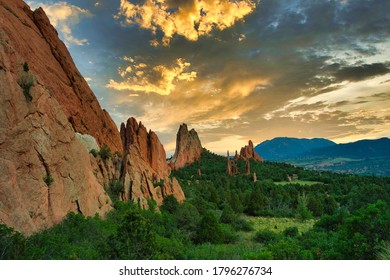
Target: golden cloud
{"x": 159, "y": 79}
{"x": 188, "y": 18}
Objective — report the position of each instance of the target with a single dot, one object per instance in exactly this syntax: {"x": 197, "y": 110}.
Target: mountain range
{"x": 360, "y": 157}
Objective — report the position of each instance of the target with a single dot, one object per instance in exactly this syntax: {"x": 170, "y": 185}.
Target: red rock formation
{"x": 145, "y": 172}
{"x": 248, "y": 152}
{"x": 247, "y": 167}
{"x": 36, "y": 42}
{"x": 45, "y": 171}
{"x": 188, "y": 148}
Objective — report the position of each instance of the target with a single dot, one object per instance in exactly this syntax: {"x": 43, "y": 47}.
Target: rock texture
{"x": 145, "y": 172}
{"x": 36, "y": 42}
{"x": 45, "y": 171}
{"x": 248, "y": 152}
{"x": 188, "y": 148}
{"x": 88, "y": 141}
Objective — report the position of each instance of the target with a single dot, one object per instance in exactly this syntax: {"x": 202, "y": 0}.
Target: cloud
{"x": 361, "y": 72}
{"x": 64, "y": 17}
{"x": 160, "y": 79}
{"x": 188, "y": 18}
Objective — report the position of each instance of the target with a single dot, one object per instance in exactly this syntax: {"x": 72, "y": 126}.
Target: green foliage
{"x": 187, "y": 219}
{"x": 209, "y": 230}
{"x": 362, "y": 233}
{"x": 169, "y": 204}
{"x": 289, "y": 249}
{"x": 117, "y": 154}
{"x": 266, "y": 236}
{"x": 26, "y": 81}
{"x": 105, "y": 152}
{"x": 94, "y": 152}
{"x": 114, "y": 189}
{"x": 25, "y": 67}
{"x": 48, "y": 179}
{"x": 303, "y": 213}
{"x": 159, "y": 184}
{"x": 135, "y": 238}
{"x": 12, "y": 244}
{"x": 384, "y": 251}
{"x": 228, "y": 216}
{"x": 214, "y": 223}
{"x": 291, "y": 232}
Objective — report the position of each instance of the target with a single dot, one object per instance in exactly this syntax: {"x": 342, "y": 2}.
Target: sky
{"x": 235, "y": 69}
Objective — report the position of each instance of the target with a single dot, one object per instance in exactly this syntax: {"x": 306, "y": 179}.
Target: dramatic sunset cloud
{"x": 188, "y": 18}
{"x": 159, "y": 79}
{"x": 238, "y": 70}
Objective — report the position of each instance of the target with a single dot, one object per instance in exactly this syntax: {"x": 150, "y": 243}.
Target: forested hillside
{"x": 316, "y": 215}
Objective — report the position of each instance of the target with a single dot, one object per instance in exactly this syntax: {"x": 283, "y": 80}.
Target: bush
{"x": 48, "y": 179}
{"x": 228, "y": 234}
{"x": 170, "y": 204}
{"x": 105, "y": 152}
{"x": 26, "y": 81}
{"x": 12, "y": 244}
{"x": 291, "y": 232}
{"x": 266, "y": 236}
{"x": 94, "y": 152}
{"x": 25, "y": 67}
{"x": 209, "y": 230}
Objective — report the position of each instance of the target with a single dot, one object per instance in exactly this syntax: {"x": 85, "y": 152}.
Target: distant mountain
{"x": 283, "y": 148}
{"x": 357, "y": 150}
{"x": 361, "y": 157}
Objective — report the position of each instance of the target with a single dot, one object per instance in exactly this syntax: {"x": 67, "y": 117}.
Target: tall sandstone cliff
{"x": 45, "y": 170}
{"x": 188, "y": 148}
{"x": 35, "y": 41}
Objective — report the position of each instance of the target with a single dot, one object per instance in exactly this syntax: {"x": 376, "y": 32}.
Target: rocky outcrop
{"x": 188, "y": 148}
{"x": 145, "y": 172}
{"x": 45, "y": 171}
{"x": 88, "y": 141}
{"x": 36, "y": 42}
{"x": 248, "y": 152}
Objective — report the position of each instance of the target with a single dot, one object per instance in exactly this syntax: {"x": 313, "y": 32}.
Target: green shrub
{"x": 105, "y": 152}
{"x": 169, "y": 204}
{"x": 291, "y": 232}
{"x": 25, "y": 67}
{"x": 266, "y": 236}
{"x": 94, "y": 152}
{"x": 48, "y": 179}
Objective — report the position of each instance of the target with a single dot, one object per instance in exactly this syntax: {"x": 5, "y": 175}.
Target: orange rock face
{"x": 45, "y": 171}
{"x": 145, "y": 172}
{"x": 36, "y": 42}
{"x": 188, "y": 148}
{"x": 248, "y": 152}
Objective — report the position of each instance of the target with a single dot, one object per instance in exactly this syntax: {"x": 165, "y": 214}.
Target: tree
{"x": 12, "y": 244}
{"x": 170, "y": 204}
{"x": 303, "y": 212}
{"x": 228, "y": 216}
{"x": 135, "y": 238}
{"x": 209, "y": 229}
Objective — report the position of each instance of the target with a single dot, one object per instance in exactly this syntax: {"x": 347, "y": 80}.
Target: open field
{"x": 300, "y": 182}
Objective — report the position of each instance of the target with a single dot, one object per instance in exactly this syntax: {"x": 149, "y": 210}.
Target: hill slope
{"x": 282, "y": 148}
